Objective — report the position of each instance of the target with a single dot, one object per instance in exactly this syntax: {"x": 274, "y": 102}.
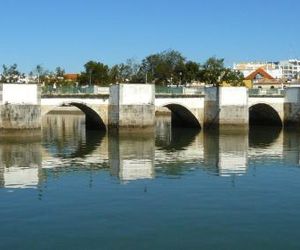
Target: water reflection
{"x": 65, "y": 137}
{"x": 62, "y": 135}
{"x": 227, "y": 153}
{"x": 291, "y": 146}
{"x": 131, "y": 155}
{"x": 27, "y": 160}
{"x": 20, "y": 159}
{"x": 262, "y": 136}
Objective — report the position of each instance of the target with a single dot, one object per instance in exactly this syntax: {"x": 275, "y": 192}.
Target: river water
{"x": 67, "y": 188}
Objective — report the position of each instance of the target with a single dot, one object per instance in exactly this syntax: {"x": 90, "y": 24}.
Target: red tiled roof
{"x": 71, "y": 76}
{"x": 259, "y": 71}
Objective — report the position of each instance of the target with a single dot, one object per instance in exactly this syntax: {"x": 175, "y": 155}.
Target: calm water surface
{"x": 173, "y": 189}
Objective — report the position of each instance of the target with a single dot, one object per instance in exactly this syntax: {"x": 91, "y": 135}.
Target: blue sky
{"x": 68, "y": 33}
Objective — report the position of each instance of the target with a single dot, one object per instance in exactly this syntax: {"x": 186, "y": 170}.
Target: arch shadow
{"x": 182, "y": 117}
{"x": 93, "y": 121}
{"x": 180, "y": 138}
{"x": 68, "y": 148}
{"x": 263, "y": 136}
{"x": 93, "y": 140}
{"x": 264, "y": 115}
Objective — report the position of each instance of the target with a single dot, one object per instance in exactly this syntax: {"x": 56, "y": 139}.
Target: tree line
{"x": 164, "y": 68}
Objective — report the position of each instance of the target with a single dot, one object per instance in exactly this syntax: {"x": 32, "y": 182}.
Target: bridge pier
{"x": 20, "y": 106}
{"x": 131, "y": 106}
{"x": 226, "y": 107}
{"x": 292, "y": 106}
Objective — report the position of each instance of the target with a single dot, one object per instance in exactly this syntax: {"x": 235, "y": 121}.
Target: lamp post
{"x": 90, "y": 77}
{"x": 180, "y": 73}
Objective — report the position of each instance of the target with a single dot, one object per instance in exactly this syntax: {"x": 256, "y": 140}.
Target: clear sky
{"x": 68, "y": 33}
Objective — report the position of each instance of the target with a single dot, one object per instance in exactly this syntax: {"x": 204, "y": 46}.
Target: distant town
{"x": 167, "y": 68}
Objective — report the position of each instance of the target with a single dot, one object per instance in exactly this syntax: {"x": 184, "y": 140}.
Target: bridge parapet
{"x": 20, "y": 106}
{"x": 266, "y": 92}
{"x": 179, "y": 90}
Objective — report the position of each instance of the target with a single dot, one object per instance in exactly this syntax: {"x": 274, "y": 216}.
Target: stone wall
{"x": 291, "y": 114}
{"x": 226, "y": 107}
{"x": 17, "y": 93}
{"x": 18, "y": 116}
{"x": 211, "y": 107}
{"x": 131, "y": 106}
{"x": 234, "y": 107}
{"x": 138, "y": 116}
{"x": 233, "y": 115}
{"x": 292, "y": 106}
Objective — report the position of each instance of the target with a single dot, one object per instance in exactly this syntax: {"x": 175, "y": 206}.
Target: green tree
{"x": 234, "y": 78}
{"x": 192, "y": 70}
{"x": 11, "y": 73}
{"x": 213, "y": 72}
{"x": 42, "y": 75}
{"x": 149, "y": 67}
{"x": 95, "y": 73}
{"x": 114, "y": 74}
{"x": 59, "y": 72}
{"x": 162, "y": 68}
{"x": 126, "y": 72}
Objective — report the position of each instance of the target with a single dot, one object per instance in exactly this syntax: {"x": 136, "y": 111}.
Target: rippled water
{"x": 67, "y": 188}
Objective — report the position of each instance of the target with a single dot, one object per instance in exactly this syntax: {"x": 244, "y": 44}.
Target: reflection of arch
{"x": 182, "y": 117}
{"x": 179, "y": 139}
{"x": 66, "y": 148}
{"x": 263, "y": 136}
{"x": 93, "y": 140}
{"x": 263, "y": 114}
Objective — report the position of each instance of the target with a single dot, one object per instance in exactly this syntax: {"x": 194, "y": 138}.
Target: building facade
{"x": 290, "y": 69}
{"x": 248, "y": 68}
{"x": 285, "y": 69}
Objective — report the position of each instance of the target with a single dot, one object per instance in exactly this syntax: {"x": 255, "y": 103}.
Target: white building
{"x": 285, "y": 69}
{"x": 249, "y": 67}
{"x": 290, "y": 68}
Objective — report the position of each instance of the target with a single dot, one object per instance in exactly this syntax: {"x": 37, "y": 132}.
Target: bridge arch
{"x": 182, "y": 116}
{"x": 93, "y": 120}
{"x": 264, "y": 114}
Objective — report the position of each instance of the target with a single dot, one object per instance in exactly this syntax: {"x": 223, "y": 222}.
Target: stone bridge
{"x": 134, "y": 105}
{"x": 234, "y": 106}
{"x": 94, "y": 107}
{"x": 186, "y": 110}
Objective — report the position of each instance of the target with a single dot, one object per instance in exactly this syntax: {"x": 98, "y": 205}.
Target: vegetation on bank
{"x": 165, "y": 68}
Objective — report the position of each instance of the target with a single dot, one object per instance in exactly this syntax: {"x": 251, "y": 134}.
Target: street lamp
{"x": 180, "y": 73}
{"x": 90, "y": 80}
